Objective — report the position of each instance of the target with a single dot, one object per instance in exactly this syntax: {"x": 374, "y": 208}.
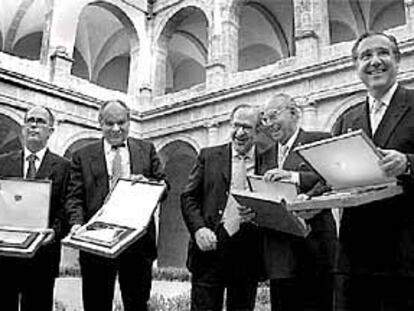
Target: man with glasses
{"x": 299, "y": 269}
{"x": 29, "y": 283}
{"x": 377, "y": 239}
{"x": 223, "y": 252}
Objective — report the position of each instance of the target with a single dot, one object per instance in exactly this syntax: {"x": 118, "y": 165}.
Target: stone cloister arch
{"x": 178, "y": 158}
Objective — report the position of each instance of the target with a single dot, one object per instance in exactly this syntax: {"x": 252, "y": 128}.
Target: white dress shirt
{"x": 39, "y": 158}
{"x": 377, "y": 113}
{"x": 125, "y": 162}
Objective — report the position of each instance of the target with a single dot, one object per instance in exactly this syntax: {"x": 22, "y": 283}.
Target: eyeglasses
{"x": 272, "y": 116}
{"x": 36, "y": 121}
{"x": 244, "y": 127}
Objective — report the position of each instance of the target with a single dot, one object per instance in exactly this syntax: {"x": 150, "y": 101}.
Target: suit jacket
{"x": 89, "y": 185}
{"x": 378, "y": 238}
{"x": 203, "y": 201}
{"x": 56, "y": 169}
{"x": 286, "y": 255}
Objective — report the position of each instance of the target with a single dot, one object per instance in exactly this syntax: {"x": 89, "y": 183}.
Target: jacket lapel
{"x": 361, "y": 120}
{"x": 292, "y": 158}
{"x": 98, "y": 167}
{"x": 46, "y": 166}
{"x": 136, "y": 157}
{"x": 397, "y": 108}
{"x": 265, "y": 159}
{"x": 224, "y": 158}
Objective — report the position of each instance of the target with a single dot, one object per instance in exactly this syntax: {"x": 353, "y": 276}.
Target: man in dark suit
{"x": 33, "y": 279}
{"x": 377, "y": 240}
{"x": 299, "y": 269}
{"x": 94, "y": 168}
{"x": 223, "y": 253}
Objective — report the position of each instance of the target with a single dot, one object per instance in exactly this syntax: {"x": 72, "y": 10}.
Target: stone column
{"x": 409, "y": 13}
{"x": 61, "y": 64}
{"x": 230, "y": 40}
{"x": 212, "y": 132}
{"x": 309, "y": 113}
{"x": 145, "y": 93}
{"x": 311, "y": 27}
{"x": 160, "y": 71}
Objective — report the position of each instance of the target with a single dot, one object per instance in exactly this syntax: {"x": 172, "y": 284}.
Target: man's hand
{"x": 393, "y": 163}
{"x": 50, "y": 235}
{"x": 206, "y": 239}
{"x": 246, "y": 213}
{"x": 277, "y": 175}
{"x": 73, "y": 229}
{"x": 137, "y": 178}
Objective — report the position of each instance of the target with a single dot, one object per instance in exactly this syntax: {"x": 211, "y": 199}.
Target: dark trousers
{"x": 233, "y": 268}
{"x": 377, "y": 293}
{"x": 299, "y": 294}
{"x": 207, "y": 294}
{"x": 98, "y": 281}
{"x": 28, "y": 283}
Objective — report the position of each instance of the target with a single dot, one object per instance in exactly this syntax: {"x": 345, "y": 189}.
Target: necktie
{"x": 283, "y": 152}
{"x": 239, "y": 174}
{"x": 376, "y": 114}
{"x": 31, "y": 170}
{"x": 116, "y": 166}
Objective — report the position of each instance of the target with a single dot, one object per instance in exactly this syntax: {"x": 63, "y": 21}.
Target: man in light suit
{"x": 299, "y": 269}
{"x": 219, "y": 257}
{"x": 33, "y": 279}
{"x": 94, "y": 168}
{"x": 377, "y": 240}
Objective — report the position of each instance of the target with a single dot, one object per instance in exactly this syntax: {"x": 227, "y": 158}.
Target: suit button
{"x": 220, "y": 212}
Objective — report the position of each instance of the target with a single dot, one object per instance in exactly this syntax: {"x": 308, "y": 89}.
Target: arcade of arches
{"x": 182, "y": 66}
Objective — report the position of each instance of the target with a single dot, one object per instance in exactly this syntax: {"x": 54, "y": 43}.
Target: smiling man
{"x": 220, "y": 257}
{"x": 297, "y": 267}
{"x": 29, "y": 282}
{"x": 378, "y": 239}
{"x": 94, "y": 170}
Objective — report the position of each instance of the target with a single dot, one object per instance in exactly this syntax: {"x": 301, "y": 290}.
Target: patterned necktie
{"x": 240, "y": 173}
{"x": 116, "y": 166}
{"x": 31, "y": 170}
{"x": 283, "y": 152}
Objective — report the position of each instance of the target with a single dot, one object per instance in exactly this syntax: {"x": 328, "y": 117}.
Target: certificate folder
{"x": 349, "y": 165}
{"x": 122, "y": 219}
{"x": 24, "y": 215}
{"x": 269, "y": 202}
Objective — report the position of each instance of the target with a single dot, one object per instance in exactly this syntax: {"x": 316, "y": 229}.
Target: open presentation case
{"x": 347, "y": 163}
{"x": 24, "y": 215}
{"x": 122, "y": 219}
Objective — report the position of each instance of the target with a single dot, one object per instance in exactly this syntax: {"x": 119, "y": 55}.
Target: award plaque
{"x": 24, "y": 215}
{"x": 349, "y": 165}
{"x": 269, "y": 201}
{"x": 122, "y": 219}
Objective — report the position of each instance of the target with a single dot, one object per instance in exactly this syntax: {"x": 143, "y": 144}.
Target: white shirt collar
{"x": 40, "y": 154}
{"x": 108, "y": 146}
{"x": 249, "y": 154}
{"x": 290, "y": 141}
{"x": 385, "y": 99}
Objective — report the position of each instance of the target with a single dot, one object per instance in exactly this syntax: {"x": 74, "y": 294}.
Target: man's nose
{"x": 376, "y": 59}
{"x": 116, "y": 127}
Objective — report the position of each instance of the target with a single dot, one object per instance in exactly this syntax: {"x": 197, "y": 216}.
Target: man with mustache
{"x": 299, "y": 269}
{"x": 223, "y": 253}
{"x": 29, "y": 283}
{"x": 377, "y": 240}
